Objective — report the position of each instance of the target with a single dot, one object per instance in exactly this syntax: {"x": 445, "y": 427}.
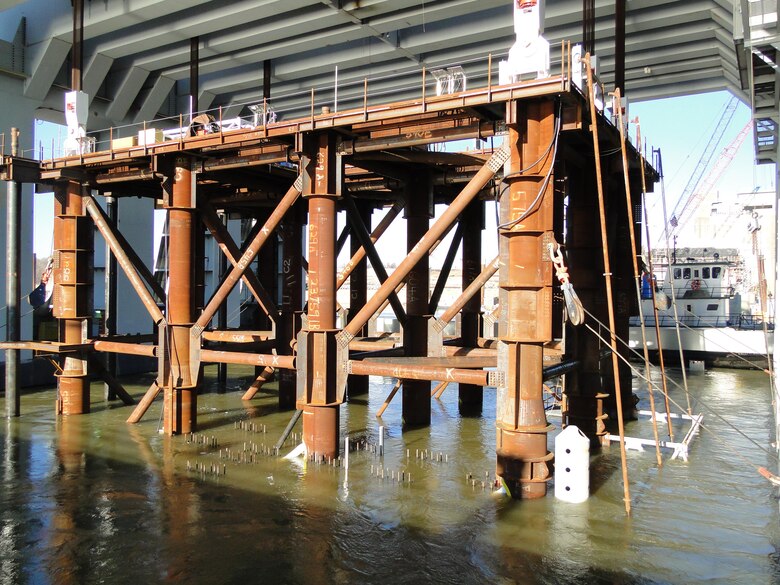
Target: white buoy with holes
{"x": 572, "y": 465}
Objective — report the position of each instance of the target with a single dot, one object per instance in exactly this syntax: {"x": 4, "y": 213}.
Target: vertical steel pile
{"x": 526, "y": 281}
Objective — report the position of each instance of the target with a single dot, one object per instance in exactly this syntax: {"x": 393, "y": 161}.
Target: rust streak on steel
{"x": 286, "y": 362}
{"x": 486, "y": 274}
{"x": 123, "y": 259}
{"x": 318, "y": 396}
{"x": 73, "y": 245}
{"x": 380, "y": 229}
{"x": 526, "y": 279}
{"x": 233, "y": 254}
{"x": 249, "y": 255}
{"x": 410, "y": 372}
{"x": 125, "y": 348}
{"x": 178, "y": 377}
{"x": 94, "y": 208}
{"x": 441, "y": 225}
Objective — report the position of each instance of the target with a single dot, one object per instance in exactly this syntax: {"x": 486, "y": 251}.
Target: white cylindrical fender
{"x": 572, "y": 465}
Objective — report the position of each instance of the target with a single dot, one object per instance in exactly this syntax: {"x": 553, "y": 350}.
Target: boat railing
{"x": 748, "y": 322}
{"x": 686, "y": 291}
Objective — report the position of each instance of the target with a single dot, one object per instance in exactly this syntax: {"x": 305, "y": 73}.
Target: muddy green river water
{"x": 90, "y": 499}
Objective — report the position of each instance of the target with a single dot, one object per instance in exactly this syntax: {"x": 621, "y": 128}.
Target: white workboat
{"x": 715, "y": 326}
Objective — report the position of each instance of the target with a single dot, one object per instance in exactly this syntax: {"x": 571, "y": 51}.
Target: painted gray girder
{"x": 134, "y": 48}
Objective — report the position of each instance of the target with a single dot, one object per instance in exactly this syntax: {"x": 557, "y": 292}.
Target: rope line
{"x": 698, "y": 401}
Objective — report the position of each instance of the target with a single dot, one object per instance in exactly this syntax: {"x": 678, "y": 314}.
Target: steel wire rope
{"x": 728, "y": 335}
{"x": 668, "y": 263}
{"x": 531, "y": 208}
{"x": 706, "y": 427}
{"x": 699, "y": 401}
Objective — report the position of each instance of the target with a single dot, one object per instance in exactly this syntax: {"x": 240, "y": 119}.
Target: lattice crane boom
{"x": 726, "y": 157}
{"x": 684, "y": 201}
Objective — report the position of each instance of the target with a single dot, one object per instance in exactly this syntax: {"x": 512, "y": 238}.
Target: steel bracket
{"x": 322, "y": 371}
{"x": 435, "y": 337}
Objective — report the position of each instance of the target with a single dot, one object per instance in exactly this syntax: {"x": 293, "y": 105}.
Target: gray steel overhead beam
{"x": 154, "y": 99}
{"x": 126, "y": 93}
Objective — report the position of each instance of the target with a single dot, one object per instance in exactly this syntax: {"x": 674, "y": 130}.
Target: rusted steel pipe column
{"x": 526, "y": 279}
{"x": 473, "y": 222}
{"x": 317, "y": 383}
{"x": 13, "y": 319}
{"x": 73, "y": 245}
{"x": 291, "y": 306}
{"x": 358, "y": 293}
{"x": 416, "y": 406}
{"x": 180, "y": 397}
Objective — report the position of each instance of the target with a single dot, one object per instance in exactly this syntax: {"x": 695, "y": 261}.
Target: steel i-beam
{"x": 73, "y": 245}
{"x": 358, "y": 293}
{"x": 416, "y": 406}
{"x": 526, "y": 279}
{"x": 291, "y": 306}
{"x": 470, "y": 396}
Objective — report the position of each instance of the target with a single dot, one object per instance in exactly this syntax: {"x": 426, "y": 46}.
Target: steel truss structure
{"x": 293, "y": 177}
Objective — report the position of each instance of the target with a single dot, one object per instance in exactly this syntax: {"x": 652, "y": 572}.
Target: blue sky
{"x": 681, "y": 127}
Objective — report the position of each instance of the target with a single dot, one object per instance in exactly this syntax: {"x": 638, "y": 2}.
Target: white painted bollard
{"x": 696, "y": 366}
{"x": 572, "y": 465}
{"x": 381, "y": 440}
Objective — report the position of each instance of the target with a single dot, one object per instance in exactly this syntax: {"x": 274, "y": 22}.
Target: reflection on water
{"x": 90, "y": 499}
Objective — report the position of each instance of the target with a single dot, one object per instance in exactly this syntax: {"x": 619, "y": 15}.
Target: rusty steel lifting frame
{"x": 305, "y": 349}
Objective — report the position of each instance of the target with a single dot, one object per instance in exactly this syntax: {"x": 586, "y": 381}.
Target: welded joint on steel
{"x": 496, "y": 379}
{"x": 298, "y": 184}
{"x": 196, "y": 331}
{"x": 345, "y": 147}
{"x": 344, "y": 338}
{"x": 496, "y": 162}
{"x": 435, "y": 338}
{"x": 195, "y": 356}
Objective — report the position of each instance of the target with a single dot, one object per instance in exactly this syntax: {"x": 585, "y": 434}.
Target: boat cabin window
{"x": 716, "y": 272}
{"x": 712, "y": 307}
{"x": 696, "y": 274}
{"x": 705, "y": 272}
{"x": 677, "y": 273}
{"x": 686, "y": 273}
